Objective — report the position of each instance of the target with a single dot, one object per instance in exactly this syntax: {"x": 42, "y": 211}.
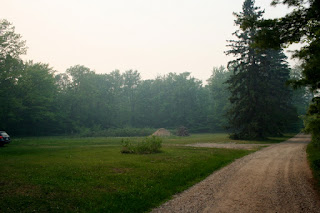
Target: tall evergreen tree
{"x": 302, "y": 26}
{"x": 246, "y": 118}
{"x": 279, "y": 103}
{"x": 259, "y": 100}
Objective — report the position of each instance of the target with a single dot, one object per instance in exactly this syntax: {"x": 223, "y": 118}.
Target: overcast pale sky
{"x": 154, "y": 37}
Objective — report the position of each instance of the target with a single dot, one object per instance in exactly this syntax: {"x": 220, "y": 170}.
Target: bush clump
{"x": 182, "y": 131}
{"x": 148, "y": 145}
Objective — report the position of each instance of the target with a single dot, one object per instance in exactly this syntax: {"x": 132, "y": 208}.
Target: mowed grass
{"x": 223, "y": 138}
{"x": 60, "y": 174}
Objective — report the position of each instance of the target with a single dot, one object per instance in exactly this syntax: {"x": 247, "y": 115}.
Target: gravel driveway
{"x": 274, "y": 179}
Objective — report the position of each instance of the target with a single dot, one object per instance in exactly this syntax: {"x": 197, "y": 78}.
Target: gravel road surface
{"x": 274, "y": 179}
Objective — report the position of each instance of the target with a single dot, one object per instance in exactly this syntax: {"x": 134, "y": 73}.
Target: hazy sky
{"x": 151, "y": 36}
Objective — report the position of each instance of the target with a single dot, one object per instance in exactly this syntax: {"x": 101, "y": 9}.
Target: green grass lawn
{"x": 221, "y": 138}
{"x": 61, "y": 174}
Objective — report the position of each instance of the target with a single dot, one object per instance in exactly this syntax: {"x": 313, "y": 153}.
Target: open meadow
{"x": 68, "y": 174}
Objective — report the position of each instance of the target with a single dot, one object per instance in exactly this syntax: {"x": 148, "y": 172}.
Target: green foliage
{"x": 11, "y": 44}
{"x": 172, "y": 100}
{"x": 299, "y": 26}
{"x": 312, "y": 125}
{"x": 182, "y": 131}
{"x": 302, "y": 96}
{"x": 148, "y": 145}
{"x": 37, "y": 92}
{"x": 313, "y": 151}
{"x": 219, "y": 98}
{"x": 312, "y": 121}
{"x": 30, "y": 94}
{"x": 260, "y": 103}
{"x": 11, "y": 47}
{"x": 116, "y": 100}
{"x": 82, "y": 102}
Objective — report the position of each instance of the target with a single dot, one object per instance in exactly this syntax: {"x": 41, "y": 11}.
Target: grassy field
{"x": 65, "y": 174}
{"x": 221, "y": 138}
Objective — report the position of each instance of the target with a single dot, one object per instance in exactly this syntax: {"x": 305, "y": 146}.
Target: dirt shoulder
{"x": 274, "y": 179}
{"x": 229, "y": 145}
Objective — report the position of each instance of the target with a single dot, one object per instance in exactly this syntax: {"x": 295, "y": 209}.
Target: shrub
{"x": 182, "y": 131}
{"x": 312, "y": 123}
{"x": 146, "y": 146}
{"x": 313, "y": 151}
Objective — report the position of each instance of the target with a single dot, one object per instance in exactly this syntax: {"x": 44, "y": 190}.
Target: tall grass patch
{"x": 147, "y": 145}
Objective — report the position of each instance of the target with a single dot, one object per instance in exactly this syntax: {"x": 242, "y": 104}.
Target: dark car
{"x": 4, "y": 138}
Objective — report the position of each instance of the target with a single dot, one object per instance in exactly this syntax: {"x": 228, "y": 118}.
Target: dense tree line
{"x": 36, "y": 100}
{"x": 44, "y": 103}
{"x": 118, "y": 100}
